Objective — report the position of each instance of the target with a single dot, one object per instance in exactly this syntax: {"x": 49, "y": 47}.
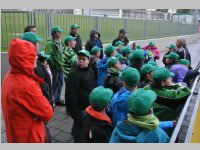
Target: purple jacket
{"x": 179, "y": 71}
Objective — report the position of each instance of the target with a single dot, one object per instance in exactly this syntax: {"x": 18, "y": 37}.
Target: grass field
{"x": 12, "y": 25}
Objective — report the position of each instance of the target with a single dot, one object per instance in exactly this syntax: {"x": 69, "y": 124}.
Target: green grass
{"x": 12, "y": 25}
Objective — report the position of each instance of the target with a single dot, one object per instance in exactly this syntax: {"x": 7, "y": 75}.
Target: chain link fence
{"x": 14, "y": 22}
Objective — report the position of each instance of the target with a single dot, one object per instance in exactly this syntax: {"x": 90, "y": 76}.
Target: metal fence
{"x": 14, "y": 22}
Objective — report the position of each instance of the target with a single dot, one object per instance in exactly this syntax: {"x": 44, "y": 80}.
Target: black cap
{"x": 122, "y": 31}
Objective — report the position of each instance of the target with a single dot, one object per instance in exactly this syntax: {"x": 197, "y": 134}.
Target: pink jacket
{"x": 154, "y": 50}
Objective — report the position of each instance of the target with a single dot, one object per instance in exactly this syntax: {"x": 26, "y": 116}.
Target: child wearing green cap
{"x": 117, "y": 109}
{"x": 141, "y": 125}
{"x": 125, "y": 51}
{"x": 191, "y": 74}
{"x": 171, "y": 59}
{"x": 171, "y": 97}
{"x": 112, "y": 79}
{"x": 171, "y": 48}
{"x": 79, "y": 84}
{"x": 146, "y": 74}
{"x": 110, "y": 51}
{"x": 154, "y": 49}
{"x": 119, "y": 45}
{"x": 95, "y": 54}
{"x": 97, "y": 126}
{"x": 136, "y": 59}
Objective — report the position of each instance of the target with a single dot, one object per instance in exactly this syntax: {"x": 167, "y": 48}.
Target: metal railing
{"x": 14, "y": 22}
{"x": 181, "y": 118}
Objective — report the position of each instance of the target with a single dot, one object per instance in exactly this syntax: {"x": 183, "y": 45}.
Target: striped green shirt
{"x": 68, "y": 54}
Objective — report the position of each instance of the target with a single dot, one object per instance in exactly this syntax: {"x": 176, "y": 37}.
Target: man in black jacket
{"x": 94, "y": 41}
{"x": 74, "y": 33}
{"x": 97, "y": 126}
{"x": 79, "y": 84}
{"x": 121, "y": 37}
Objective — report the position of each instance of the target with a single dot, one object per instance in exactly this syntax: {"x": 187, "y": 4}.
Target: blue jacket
{"x": 126, "y": 132}
{"x": 102, "y": 70}
{"x": 117, "y": 109}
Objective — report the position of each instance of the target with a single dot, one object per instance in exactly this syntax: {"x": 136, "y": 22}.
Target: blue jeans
{"x": 59, "y": 85}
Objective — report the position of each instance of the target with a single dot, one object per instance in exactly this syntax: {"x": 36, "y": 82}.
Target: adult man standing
{"x": 121, "y": 37}
{"x": 53, "y": 48}
{"x": 74, "y": 33}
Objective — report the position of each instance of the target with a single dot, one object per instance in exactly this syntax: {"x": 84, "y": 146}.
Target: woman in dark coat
{"x": 94, "y": 41}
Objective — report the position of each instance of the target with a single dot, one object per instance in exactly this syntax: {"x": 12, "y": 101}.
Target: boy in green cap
{"x": 112, "y": 80}
{"x": 136, "y": 59}
{"x": 171, "y": 59}
{"x": 110, "y": 51}
{"x": 146, "y": 74}
{"x": 117, "y": 109}
{"x": 68, "y": 55}
{"x": 141, "y": 125}
{"x": 125, "y": 51}
{"x": 154, "y": 49}
{"x": 119, "y": 44}
{"x": 171, "y": 48}
{"x": 53, "y": 48}
{"x": 79, "y": 84}
{"x": 95, "y": 54}
{"x": 97, "y": 126}
{"x": 74, "y": 33}
{"x": 33, "y": 38}
{"x": 171, "y": 97}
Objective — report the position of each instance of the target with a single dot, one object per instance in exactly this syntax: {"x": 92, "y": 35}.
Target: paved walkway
{"x": 60, "y": 125}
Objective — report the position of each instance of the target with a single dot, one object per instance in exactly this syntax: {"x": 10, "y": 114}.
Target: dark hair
{"x": 28, "y": 28}
{"x": 136, "y": 63}
{"x": 96, "y": 108}
{"x": 156, "y": 84}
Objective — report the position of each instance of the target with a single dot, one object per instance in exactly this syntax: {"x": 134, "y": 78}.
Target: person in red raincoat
{"x": 24, "y": 107}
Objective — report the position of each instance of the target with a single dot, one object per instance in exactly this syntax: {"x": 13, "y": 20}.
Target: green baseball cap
{"x": 118, "y": 43}
{"x": 162, "y": 74}
{"x": 118, "y": 55}
{"x": 184, "y": 62}
{"x": 109, "y": 49}
{"x": 130, "y": 76}
{"x": 31, "y": 37}
{"x": 140, "y": 101}
{"x": 172, "y": 46}
{"x": 139, "y": 47}
{"x": 100, "y": 97}
{"x": 153, "y": 64}
{"x": 137, "y": 54}
{"x": 111, "y": 61}
{"x": 172, "y": 55}
{"x": 84, "y": 52}
{"x": 151, "y": 43}
{"x": 95, "y": 49}
{"x": 42, "y": 54}
{"x": 126, "y": 49}
{"x": 69, "y": 38}
{"x": 74, "y": 26}
{"x": 147, "y": 68}
{"x": 56, "y": 29}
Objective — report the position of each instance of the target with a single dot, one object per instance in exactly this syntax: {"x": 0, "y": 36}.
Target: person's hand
{"x": 174, "y": 123}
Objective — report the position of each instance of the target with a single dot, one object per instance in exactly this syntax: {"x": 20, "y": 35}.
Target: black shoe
{"x": 60, "y": 103}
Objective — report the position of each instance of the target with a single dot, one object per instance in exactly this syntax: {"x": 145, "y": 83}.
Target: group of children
{"x": 122, "y": 97}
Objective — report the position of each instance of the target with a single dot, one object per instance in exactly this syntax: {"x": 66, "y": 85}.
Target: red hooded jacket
{"x": 24, "y": 107}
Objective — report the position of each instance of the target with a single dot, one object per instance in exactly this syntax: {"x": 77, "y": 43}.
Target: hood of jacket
{"x": 22, "y": 57}
{"x": 93, "y": 32}
{"x": 102, "y": 63}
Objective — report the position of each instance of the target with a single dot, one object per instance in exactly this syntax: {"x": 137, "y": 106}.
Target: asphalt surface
{"x": 60, "y": 125}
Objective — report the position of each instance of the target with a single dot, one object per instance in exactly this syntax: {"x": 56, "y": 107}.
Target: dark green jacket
{"x": 170, "y": 101}
{"x": 53, "y": 50}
